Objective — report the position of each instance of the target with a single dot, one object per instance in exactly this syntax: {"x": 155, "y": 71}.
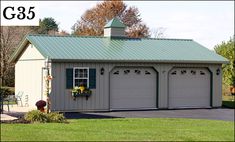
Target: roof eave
{"x": 141, "y": 61}
{"x": 18, "y": 51}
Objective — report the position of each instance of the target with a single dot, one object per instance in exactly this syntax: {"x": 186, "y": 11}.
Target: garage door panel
{"x": 134, "y": 89}
{"x": 189, "y": 89}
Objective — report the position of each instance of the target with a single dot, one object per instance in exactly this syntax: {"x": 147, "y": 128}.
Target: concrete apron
{"x": 5, "y": 117}
{"x": 14, "y": 110}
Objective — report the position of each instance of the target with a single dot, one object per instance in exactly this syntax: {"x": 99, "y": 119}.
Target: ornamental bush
{"x": 56, "y": 117}
{"x": 36, "y": 116}
{"x": 40, "y": 117}
{"x": 6, "y": 91}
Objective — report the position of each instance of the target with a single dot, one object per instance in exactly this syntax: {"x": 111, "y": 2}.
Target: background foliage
{"x": 11, "y": 36}
{"x": 226, "y": 49}
{"x": 93, "y": 20}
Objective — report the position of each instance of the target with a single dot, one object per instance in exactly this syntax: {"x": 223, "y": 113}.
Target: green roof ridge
{"x": 126, "y": 38}
{"x": 78, "y": 36}
{"x": 115, "y": 23}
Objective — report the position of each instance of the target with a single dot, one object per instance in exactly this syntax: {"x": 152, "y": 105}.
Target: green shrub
{"x": 38, "y": 116}
{"x": 6, "y": 91}
{"x": 55, "y": 117}
{"x": 228, "y": 104}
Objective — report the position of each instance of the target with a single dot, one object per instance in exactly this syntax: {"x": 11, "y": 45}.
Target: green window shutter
{"x": 69, "y": 78}
{"x": 92, "y": 78}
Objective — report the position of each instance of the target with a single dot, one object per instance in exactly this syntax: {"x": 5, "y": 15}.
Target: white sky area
{"x": 206, "y": 22}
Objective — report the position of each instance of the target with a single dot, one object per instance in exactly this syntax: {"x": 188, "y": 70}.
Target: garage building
{"x": 123, "y": 73}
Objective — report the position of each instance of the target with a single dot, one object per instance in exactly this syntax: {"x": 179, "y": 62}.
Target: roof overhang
{"x": 15, "y": 56}
{"x": 20, "y": 50}
{"x": 140, "y": 61}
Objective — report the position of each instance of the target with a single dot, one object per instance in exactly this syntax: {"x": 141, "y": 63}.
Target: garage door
{"x": 133, "y": 88}
{"x": 189, "y": 88}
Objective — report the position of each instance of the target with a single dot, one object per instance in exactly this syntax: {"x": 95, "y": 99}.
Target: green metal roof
{"x": 120, "y": 49}
{"x": 114, "y": 23}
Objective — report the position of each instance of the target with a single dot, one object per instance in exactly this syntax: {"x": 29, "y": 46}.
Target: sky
{"x": 206, "y": 22}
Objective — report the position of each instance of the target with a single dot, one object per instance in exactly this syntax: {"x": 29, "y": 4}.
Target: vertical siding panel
{"x": 218, "y": 86}
{"x": 73, "y": 102}
{"x": 161, "y": 89}
{"x": 68, "y": 98}
{"x": 94, "y": 92}
{"x": 101, "y": 82}
{"x": 59, "y": 91}
{"x": 164, "y": 87}
{"x": 163, "y": 84}
{"x": 84, "y": 101}
{"x": 91, "y": 98}
{"x": 106, "y": 87}
{"x": 82, "y": 98}
{"x": 65, "y": 98}
{"x": 165, "y": 72}
{"x": 54, "y": 87}
{"x": 97, "y": 96}
{"x": 100, "y": 85}
{"x": 88, "y": 102}
{"x": 61, "y": 100}
{"x": 77, "y": 101}
{"x": 52, "y": 95}
{"x": 111, "y": 67}
{"x": 63, "y": 94}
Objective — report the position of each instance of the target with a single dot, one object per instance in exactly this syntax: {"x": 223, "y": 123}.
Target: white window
{"x": 81, "y": 76}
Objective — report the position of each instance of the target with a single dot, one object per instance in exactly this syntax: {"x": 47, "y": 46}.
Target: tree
{"x": 92, "y": 22}
{"x": 63, "y": 33}
{"x": 47, "y": 25}
{"x": 158, "y": 33}
{"x": 10, "y": 38}
{"x": 227, "y": 50}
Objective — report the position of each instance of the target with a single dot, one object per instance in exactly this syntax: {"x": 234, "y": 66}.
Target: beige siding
{"x": 100, "y": 99}
{"x": 31, "y": 53}
{"x": 28, "y": 76}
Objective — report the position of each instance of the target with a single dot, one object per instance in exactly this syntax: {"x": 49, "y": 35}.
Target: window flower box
{"x": 78, "y": 92}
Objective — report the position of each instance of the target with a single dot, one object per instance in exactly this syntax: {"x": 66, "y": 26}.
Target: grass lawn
{"x": 228, "y": 98}
{"x": 10, "y": 103}
{"x": 122, "y": 129}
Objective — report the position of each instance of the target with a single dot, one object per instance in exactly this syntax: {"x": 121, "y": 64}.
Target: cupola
{"x": 114, "y": 28}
